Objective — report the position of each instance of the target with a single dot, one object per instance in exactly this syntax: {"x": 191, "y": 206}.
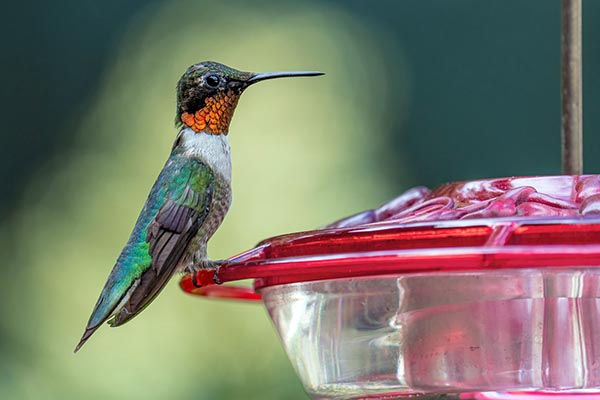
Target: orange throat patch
{"x": 215, "y": 116}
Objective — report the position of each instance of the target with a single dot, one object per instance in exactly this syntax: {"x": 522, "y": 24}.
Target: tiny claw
{"x": 218, "y": 265}
{"x": 195, "y": 280}
{"x": 216, "y": 276}
{"x": 201, "y": 277}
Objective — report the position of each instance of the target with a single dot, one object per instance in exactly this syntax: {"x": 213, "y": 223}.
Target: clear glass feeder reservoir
{"x": 485, "y": 290}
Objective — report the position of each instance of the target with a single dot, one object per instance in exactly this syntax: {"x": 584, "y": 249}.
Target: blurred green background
{"x": 416, "y": 92}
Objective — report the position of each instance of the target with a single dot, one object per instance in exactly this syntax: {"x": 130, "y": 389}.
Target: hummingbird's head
{"x": 208, "y": 92}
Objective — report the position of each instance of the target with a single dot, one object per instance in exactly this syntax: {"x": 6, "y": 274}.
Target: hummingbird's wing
{"x": 174, "y": 212}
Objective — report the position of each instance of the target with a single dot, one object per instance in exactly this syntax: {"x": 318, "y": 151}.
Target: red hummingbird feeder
{"x": 486, "y": 289}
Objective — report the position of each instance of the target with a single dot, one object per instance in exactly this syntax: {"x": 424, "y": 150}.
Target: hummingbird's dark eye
{"x": 212, "y": 81}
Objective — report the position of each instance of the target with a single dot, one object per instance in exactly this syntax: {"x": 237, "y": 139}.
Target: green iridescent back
{"x": 179, "y": 177}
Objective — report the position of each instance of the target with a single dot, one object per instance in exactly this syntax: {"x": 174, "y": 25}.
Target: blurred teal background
{"x": 416, "y": 92}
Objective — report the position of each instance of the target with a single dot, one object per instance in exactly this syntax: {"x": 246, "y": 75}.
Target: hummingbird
{"x": 189, "y": 199}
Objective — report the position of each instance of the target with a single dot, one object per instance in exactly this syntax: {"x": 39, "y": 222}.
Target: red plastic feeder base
{"x": 483, "y": 288}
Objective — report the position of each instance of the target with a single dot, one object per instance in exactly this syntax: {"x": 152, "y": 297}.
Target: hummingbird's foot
{"x": 195, "y": 280}
{"x": 217, "y": 264}
{"x": 206, "y": 265}
{"x": 216, "y": 274}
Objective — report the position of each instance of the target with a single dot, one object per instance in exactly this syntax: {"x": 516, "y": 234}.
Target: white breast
{"x": 214, "y": 150}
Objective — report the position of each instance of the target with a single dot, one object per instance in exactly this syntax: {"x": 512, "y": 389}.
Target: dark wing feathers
{"x": 184, "y": 188}
{"x": 169, "y": 234}
{"x": 153, "y": 280}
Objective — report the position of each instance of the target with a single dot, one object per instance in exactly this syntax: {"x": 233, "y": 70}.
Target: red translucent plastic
{"x": 535, "y": 222}
{"x": 526, "y": 396}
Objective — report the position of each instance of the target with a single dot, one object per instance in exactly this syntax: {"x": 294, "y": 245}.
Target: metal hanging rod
{"x": 571, "y": 88}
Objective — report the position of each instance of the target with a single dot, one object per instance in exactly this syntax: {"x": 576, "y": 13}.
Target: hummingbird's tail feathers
{"x": 107, "y": 302}
{"x": 163, "y": 235}
{"x": 86, "y": 335}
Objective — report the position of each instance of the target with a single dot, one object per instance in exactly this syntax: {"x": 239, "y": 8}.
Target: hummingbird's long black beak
{"x": 285, "y": 74}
